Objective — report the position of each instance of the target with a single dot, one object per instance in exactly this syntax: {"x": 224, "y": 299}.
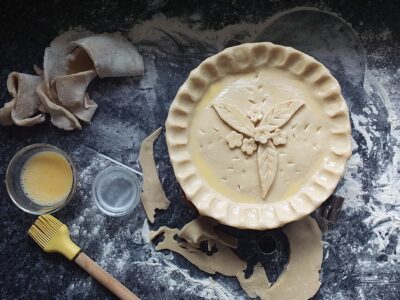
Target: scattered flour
{"x": 116, "y": 255}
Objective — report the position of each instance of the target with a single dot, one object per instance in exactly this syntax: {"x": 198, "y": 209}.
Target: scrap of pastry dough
{"x": 298, "y": 281}
{"x": 153, "y": 196}
{"x": 224, "y": 261}
{"x": 70, "y": 63}
{"x": 300, "y": 277}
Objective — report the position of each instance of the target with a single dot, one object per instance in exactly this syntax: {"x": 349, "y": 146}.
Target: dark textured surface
{"x": 361, "y": 251}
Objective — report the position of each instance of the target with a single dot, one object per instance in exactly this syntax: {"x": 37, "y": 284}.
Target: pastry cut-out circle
{"x": 259, "y": 135}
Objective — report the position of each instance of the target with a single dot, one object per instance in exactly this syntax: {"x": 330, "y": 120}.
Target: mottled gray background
{"x": 361, "y": 252}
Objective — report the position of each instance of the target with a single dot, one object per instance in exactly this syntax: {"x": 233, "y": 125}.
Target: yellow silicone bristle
{"x": 39, "y": 237}
{"x": 50, "y": 219}
{"x": 47, "y": 225}
{"x": 53, "y": 236}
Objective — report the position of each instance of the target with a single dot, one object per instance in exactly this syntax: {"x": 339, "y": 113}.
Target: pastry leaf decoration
{"x": 267, "y": 158}
{"x": 262, "y": 135}
{"x": 281, "y": 114}
{"x": 235, "y": 118}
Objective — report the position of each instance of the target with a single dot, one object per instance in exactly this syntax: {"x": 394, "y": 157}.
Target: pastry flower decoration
{"x": 279, "y": 137}
{"x": 256, "y": 131}
{"x": 262, "y": 135}
{"x": 234, "y": 139}
{"x": 255, "y": 113}
{"x": 249, "y": 146}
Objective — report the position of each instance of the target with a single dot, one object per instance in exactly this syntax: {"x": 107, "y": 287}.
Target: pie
{"x": 259, "y": 135}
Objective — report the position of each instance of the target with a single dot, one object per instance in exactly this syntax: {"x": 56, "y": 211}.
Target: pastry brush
{"x": 53, "y": 236}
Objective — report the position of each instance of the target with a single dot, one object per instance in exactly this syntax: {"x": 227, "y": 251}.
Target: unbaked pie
{"x": 259, "y": 135}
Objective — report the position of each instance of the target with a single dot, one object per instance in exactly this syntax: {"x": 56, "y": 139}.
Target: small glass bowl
{"x": 116, "y": 191}
{"x": 14, "y": 186}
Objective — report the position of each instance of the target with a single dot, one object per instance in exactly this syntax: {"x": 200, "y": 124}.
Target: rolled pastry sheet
{"x": 70, "y": 63}
{"x": 55, "y": 54}
{"x": 5, "y": 113}
{"x": 71, "y": 89}
{"x": 60, "y": 116}
{"x": 23, "y": 109}
{"x": 112, "y": 55}
{"x": 86, "y": 111}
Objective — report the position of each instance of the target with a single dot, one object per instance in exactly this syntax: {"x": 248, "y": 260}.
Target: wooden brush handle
{"x": 98, "y": 273}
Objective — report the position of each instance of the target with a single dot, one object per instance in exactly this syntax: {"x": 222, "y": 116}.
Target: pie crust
{"x": 279, "y": 164}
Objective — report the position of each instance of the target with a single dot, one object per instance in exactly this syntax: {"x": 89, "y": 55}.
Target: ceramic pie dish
{"x": 258, "y": 135}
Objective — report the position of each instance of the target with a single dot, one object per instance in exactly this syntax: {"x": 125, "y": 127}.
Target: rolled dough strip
{"x": 5, "y": 113}
{"x": 22, "y": 89}
{"x": 60, "y": 117}
{"x": 112, "y": 55}
{"x": 78, "y": 61}
{"x": 86, "y": 111}
{"x": 153, "y": 196}
{"x": 300, "y": 278}
{"x": 71, "y": 88}
{"x": 54, "y": 56}
{"x": 54, "y": 67}
{"x": 66, "y": 77}
{"x": 202, "y": 229}
{"x": 224, "y": 261}
{"x": 27, "y": 121}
